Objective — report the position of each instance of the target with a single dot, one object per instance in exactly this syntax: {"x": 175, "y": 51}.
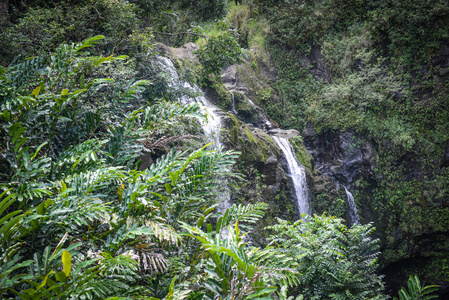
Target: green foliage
{"x": 207, "y": 9}
{"x": 299, "y": 24}
{"x": 363, "y": 100}
{"x": 85, "y": 187}
{"x": 236, "y": 271}
{"x": 41, "y": 30}
{"x": 416, "y": 291}
{"x": 10, "y": 262}
{"x": 219, "y": 52}
{"x": 335, "y": 262}
{"x": 414, "y": 31}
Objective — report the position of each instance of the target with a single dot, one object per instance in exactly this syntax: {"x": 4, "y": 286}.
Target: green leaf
{"x": 26, "y": 160}
{"x": 262, "y": 292}
{"x": 61, "y": 277}
{"x": 36, "y": 91}
{"x": 6, "y": 115}
{"x": 38, "y": 149}
{"x": 67, "y": 262}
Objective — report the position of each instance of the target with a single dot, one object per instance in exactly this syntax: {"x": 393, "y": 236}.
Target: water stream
{"x": 297, "y": 173}
{"x": 233, "y": 104}
{"x": 353, "y": 213}
{"x": 211, "y": 127}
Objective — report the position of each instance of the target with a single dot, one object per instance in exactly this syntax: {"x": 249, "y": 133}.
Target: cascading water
{"x": 211, "y": 127}
{"x": 353, "y": 213}
{"x": 297, "y": 173}
{"x": 233, "y": 104}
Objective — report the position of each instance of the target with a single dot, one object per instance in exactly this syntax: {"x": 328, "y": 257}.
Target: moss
{"x": 304, "y": 157}
{"x": 254, "y": 147}
{"x": 217, "y": 92}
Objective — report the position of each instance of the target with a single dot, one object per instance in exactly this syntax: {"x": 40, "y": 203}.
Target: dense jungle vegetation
{"x": 110, "y": 191}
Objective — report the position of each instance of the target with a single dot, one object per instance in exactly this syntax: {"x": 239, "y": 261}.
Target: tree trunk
{"x": 4, "y": 6}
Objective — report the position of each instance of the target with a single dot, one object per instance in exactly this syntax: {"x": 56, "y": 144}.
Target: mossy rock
{"x": 304, "y": 157}
{"x": 256, "y": 145}
{"x": 279, "y": 206}
{"x": 216, "y": 92}
{"x": 246, "y": 112}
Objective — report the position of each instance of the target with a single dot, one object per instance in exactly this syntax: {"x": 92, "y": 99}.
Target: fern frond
{"x": 164, "y": 112}
{"x": 79, "y": 159}
{"x": 249, "y": 213}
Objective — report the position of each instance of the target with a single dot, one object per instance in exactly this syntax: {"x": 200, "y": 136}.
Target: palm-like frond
{"x": 78, "y": 159}
{"x": 236, "y": 271}
{"x": 124, "y": 144}
{"x": 249, "y": 213}
{"x": 10, "y": 261}
{"x": 93, "y": 181}
{"x": 416, "y": 291}
{"x": 163, "y": 113}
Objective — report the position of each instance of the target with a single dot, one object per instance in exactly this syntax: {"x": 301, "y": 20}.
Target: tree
{"x": 335, "y": 262}
{"x": 219, "y": 52}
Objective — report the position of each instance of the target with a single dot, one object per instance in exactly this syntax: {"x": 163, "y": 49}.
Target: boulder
{"x": 232, "y": 80}
{"x": 182, "y": 53}
{"x": 284, "y": 133}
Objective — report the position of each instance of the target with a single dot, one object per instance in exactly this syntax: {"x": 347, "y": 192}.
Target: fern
{"x": 416, "y": 291}
{"x": 163, "y": 113}
{"x": 250, "y": 213}
{"x": 333, "y": 260}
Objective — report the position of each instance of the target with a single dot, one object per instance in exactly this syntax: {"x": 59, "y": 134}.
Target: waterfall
{"x": 233, "y": 104}
{"x": 353, "y": 213}
{"x": 297, "y": 173}
{"x": 211, "y": 127}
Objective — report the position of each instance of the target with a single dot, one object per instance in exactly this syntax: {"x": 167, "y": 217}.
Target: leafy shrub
{"x": 219, "y": 52}
{"x": 42, "y": 29}
{"x": 335, "y": 262}
{"x": 88, "y": 188}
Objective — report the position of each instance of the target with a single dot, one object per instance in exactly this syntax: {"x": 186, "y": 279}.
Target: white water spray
{"x": 353, "y": 213}
{"x": 297, "y": 173}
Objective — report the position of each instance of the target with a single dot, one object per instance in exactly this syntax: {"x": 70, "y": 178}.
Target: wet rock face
{"x": 284, "y": 133}
{"x": 272, "y": 171}
{"x": 344, "y": 156}
{"x": 232, "y": 80}
{"x": 315, "y": 63}
{"x": 246, "y": 110}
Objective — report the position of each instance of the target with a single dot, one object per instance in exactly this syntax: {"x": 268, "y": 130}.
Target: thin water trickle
{"x": 353, "y": 213}
{"x": 297, "y": 173}
{"x": 233, "y": 104}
